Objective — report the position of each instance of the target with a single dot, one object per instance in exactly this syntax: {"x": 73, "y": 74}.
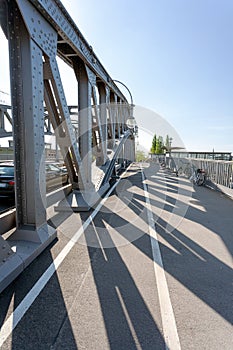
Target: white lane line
{"x": 171, "y": 337}
{"x": 28, "y": 300}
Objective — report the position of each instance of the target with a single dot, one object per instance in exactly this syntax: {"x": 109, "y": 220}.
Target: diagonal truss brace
{"x": 61, "y": 120}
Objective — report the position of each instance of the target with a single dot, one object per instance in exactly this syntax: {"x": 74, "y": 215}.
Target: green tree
{"x": 140, "y": 156}
{"x": 159, "y": 145}
{"x": 153, "y": 147}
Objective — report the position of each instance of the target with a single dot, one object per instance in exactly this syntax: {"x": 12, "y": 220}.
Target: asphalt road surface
{"x": 151, "y": 269}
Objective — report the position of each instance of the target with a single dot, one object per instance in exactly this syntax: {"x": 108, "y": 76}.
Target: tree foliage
{"x": 140, "y": 156}
{"x": 158, "y": 146}
{"x": 153, "y": 147}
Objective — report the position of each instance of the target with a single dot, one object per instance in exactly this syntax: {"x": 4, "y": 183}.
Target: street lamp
{"x": 170, "y": 144}
{"x": 118, "y": 81}
{"x": 131, "y": 122}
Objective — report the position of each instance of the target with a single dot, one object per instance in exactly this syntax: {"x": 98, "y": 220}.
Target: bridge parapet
{"x": 219, "y": 173}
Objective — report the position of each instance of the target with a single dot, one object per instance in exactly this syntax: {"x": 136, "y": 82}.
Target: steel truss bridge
{"x": 102, "y": 141}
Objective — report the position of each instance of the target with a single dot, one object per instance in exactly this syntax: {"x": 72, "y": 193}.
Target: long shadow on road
{"x": 40, "y": 327}
{"x": 128, "y": 320}
{"x": 188, "y": 262}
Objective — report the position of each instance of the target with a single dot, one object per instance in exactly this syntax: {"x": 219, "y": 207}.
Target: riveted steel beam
{"x": 3, "y": 17}
{"x": 112, "y": 117}
{"x": 72, "y": 41}
{"x": 58, "y": 130}
{"x": 27, "y": 97}
{"x": 100, "y": 156}
{"x": 84, "y": 120}
{"x": 103, "y": 117}
{"x": 32, "y": 232}
{"x": 38, "y": 31}
{"x": 67, "y": 141}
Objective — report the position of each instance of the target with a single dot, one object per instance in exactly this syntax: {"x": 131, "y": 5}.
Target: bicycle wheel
{"x": 180, "y": 171}
{"x": 188, "y": 172}
{"x": 200, "y": 181}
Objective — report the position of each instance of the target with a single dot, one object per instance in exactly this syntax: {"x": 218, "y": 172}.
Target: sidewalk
{"x": 104, "y": 294}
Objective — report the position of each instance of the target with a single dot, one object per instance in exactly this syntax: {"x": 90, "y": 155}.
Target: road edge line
{"x": 171, "y": 336}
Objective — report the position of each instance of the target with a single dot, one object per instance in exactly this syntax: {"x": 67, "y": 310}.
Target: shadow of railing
{"x": 189, "y": 263}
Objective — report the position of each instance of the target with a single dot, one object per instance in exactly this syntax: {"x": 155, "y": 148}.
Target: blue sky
{"x": 176, "y": 57}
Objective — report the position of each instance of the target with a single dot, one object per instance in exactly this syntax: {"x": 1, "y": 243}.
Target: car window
{"x": 54, "y": 167}
{"x": 51, "y": 167}
{"x": 7, "y": 170}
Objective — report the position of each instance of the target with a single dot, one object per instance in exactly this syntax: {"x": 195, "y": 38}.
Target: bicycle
{"x": 185, "y": 170}
{"x": 199, "y": 177}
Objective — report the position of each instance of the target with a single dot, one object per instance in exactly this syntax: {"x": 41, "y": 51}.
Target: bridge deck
{"x": 113, "y": 290}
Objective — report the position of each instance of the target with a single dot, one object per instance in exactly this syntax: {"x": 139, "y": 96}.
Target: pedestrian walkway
{"x": 152, "y": 270}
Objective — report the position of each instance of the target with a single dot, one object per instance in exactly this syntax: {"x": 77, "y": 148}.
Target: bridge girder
{"x": 37, "y": 32}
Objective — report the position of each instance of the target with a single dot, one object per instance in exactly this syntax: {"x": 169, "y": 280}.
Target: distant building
{"x": 6, "y": 153}
{"x": 203, "y": 155}
{"x": 158, "y": 157}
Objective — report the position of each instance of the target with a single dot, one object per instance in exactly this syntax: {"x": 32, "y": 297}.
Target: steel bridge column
{"x": 98, "y": 143}
{"x": 2, "y": 124}
{"x": 132, "y": 149}
{"x": 27, "y": 97}
{"x": 121, "y": 156}
{"x": 129, "y": 150}
{"x": 85, "y": 122}
{"x": 112, "y": 111}
{"x": 125, "y": 115}
{"x": 103, "y": 118}
{"x": 26, "y": 69}
{"x": 115, "y": 117}
{"x": 109, "y": 119}
{"x": 118, "y": 117}
{"x": 32, "y": 233}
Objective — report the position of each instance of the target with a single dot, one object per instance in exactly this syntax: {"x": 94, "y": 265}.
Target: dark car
{"x": 7, "y": 180}
{"x": 56, "y": 176}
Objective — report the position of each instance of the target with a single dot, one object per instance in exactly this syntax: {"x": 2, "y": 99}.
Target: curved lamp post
{"x": 131, "y": 122}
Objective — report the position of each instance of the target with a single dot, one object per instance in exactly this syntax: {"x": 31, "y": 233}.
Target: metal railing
{"x": 217, "y": 172}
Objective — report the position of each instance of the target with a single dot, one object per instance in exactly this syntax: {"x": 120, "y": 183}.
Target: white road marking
{"x": 168, "y": 319}
{"x": 28, "y": 300}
